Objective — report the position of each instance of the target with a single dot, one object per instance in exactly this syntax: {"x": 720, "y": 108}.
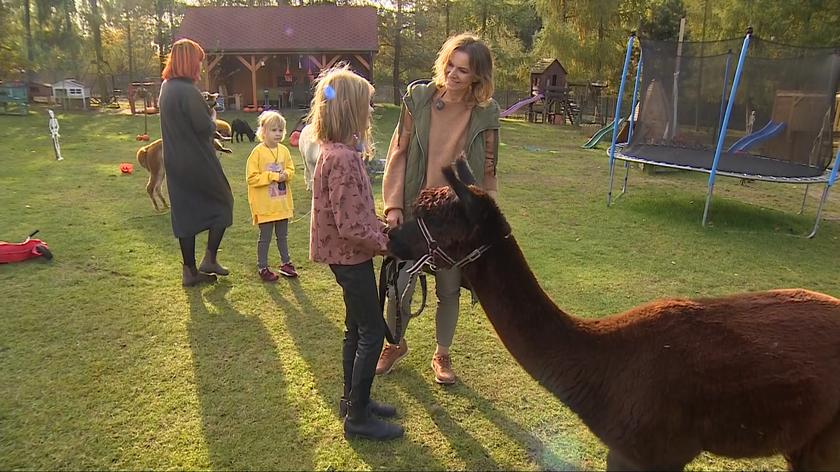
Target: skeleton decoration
{"x": 54, "y": 134}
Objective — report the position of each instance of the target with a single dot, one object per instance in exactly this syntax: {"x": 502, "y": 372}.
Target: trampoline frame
{"x": 829, "y": 177}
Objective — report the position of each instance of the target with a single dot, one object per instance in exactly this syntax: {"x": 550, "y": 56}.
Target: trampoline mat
{"x": 736, "y": 163}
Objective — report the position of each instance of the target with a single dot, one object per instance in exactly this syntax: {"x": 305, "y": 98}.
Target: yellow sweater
{"x": 269, "y": 195}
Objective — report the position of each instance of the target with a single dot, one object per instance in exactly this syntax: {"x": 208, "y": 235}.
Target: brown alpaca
{"x": 748, "y": 375}
{"x": 150, "y": 157}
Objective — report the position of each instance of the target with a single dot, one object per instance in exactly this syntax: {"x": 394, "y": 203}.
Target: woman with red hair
{"x": 199, "y": 192}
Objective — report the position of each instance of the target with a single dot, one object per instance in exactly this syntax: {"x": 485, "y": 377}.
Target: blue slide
{"x": 770, "y": 130}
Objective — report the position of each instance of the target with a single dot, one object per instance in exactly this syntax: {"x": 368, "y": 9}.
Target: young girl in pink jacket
{"x": 346, "y": 234}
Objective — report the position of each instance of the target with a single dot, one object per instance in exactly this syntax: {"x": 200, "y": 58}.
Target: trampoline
{"x": 764, "y": 113}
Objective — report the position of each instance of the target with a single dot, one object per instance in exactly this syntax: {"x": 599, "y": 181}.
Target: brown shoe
{"x": 442, "y": 365}
{"x": 391, "y": 354}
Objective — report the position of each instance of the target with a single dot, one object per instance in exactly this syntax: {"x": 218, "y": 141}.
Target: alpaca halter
{"x": 429, "y": 259}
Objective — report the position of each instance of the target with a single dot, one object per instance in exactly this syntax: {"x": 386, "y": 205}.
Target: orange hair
{"x": 184, "y": 60}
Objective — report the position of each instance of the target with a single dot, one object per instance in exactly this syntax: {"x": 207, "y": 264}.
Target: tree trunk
{"x": 599, "y": 52}
{"x": 159, "y": 25}
{"x": 129, "y": 47}
{"x": 395, "y": 72}
{"x": 484, "y": 18}
{"x": 446, "y": 7}
{"x": 95, "y": 23}
{"x": 30, "y": 54}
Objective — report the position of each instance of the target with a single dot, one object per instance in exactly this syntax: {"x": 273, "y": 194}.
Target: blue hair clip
{"x": 329, "y": 92}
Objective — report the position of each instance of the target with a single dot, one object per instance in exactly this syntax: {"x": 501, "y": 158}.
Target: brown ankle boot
{"x": 212, "y": 267}
{"x": 192, "y": 277}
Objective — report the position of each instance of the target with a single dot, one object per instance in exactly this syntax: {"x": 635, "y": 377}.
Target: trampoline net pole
{"x": 725, "y": 124}
{"x": 635, "y": 101}
{"x": 618, "y": 111}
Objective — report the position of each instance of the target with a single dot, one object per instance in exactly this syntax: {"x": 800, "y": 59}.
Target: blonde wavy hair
{"x": 481, "y": 64}
{"x": 340, "y": 110}
{"x": 268, "y": 119}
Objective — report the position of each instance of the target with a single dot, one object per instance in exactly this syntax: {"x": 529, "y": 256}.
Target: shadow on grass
{"x": 310, "y": 328}
{"x": 239, "y": 381}
{"x": 537, "y": 449}
{"x": 726, "y": 215}
{"x": 319, "y": 344}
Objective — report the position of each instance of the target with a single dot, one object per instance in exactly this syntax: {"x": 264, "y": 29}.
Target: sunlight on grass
{"x": 107, "y": 362}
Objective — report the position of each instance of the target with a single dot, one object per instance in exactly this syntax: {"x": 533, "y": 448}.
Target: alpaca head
{"x": 460, "y": 218}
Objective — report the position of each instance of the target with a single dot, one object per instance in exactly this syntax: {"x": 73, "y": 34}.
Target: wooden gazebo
{"x": 275, "y": 53}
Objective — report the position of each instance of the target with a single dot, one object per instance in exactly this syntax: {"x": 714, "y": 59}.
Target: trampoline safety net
{"x": 782, "y": 118}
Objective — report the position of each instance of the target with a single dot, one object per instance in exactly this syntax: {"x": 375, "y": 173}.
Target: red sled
{"x": 16, "y": 252}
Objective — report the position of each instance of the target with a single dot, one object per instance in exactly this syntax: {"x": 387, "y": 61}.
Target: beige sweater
{"x": 447, "y": 139}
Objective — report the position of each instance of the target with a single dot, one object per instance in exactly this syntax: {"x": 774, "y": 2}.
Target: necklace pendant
{"x": 439, "y": 104}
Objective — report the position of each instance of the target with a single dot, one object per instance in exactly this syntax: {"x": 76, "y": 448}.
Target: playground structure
{"x": 14, "y": 99}
{"x": 594, "y": 105}
{"x": 549, "y": 98}
{"x": 686, "y": 118}
{"x": 148, "y": 92}
{"x": 606, "y": 131}
{"x": 66, "y": 92}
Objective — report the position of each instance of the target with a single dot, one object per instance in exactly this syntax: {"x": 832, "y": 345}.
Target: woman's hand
{"x": 394, "y": 217}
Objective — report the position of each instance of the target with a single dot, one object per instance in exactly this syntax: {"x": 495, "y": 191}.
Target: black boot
{"x": 382, "y": 410}
{"x": 192, "y": 277}
{"x": 360, "y": 424}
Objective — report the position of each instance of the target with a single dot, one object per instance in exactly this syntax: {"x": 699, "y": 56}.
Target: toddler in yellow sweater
{"x": 268, "y": 172}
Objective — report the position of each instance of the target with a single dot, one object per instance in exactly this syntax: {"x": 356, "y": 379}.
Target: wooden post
{"x": 253, "y": 65}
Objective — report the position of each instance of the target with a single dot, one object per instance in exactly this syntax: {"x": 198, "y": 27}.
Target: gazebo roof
{"x": 314, "y": 28}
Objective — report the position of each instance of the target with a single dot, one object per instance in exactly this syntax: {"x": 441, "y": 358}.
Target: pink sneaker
{"x": 267, "y": 275}
{"x": 288, "y": 269}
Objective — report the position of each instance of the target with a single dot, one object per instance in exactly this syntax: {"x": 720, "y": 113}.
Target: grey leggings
{"x": 448, "y": 291}
{"x": 281, "y": 230}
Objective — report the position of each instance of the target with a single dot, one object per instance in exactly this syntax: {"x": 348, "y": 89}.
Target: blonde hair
{"x": 184, "y": 61}
{"x": 481, "y": 64}
{"x": 268, "y": 119}
{"x": 340, "y": 110}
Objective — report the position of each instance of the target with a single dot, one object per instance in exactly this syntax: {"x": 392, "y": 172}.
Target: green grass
{"x": 106, "y": 362}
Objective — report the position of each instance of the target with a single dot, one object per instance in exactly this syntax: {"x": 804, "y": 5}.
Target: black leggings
{"x": 364, "y": 329}
{"x": 214, "y": 239}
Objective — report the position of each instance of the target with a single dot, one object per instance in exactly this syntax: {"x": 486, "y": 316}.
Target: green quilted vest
{"x": 417, "y": 101}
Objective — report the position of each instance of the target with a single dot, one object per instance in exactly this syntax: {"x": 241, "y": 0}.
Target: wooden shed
{"x": 548, "y": 73}
{"x": 259, "y": 54}
{"x": 68, "y": 90}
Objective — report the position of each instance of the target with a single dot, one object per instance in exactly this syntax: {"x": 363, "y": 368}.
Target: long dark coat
{"x": 199, "y": 192}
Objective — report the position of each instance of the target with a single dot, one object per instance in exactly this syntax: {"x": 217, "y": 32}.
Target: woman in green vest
{"x": 453, "y": 115}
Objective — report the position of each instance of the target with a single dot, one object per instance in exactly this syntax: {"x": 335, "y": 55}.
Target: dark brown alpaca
{"x": 748, "y": 375}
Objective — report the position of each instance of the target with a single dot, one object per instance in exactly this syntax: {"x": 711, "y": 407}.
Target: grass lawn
{"x": 106, "y": 362}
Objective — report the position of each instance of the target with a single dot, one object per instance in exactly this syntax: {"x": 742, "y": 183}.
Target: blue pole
{"x": 635, "y": 98}
{"x": 618, "y": 111}
{"x": 725, "y": 124}
{"x": 834, "y": 170}
{"x": 723, "y": 92}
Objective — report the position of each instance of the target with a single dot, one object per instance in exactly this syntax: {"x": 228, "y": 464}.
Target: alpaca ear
{"x": 464, "y": 172}
{"x": 464, "y": 195}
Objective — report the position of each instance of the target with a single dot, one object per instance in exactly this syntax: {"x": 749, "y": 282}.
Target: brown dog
{"x": 151, "y": 158}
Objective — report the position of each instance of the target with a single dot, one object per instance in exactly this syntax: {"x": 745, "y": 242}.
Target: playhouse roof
{"x": 67, "y": 84}
{"x": 544, "y": 64}
{"x": 314, "y": 28}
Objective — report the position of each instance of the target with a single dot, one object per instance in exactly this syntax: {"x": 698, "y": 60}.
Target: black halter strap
{"x": 390, "y": 270}
{"x": 388, "y": 276}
